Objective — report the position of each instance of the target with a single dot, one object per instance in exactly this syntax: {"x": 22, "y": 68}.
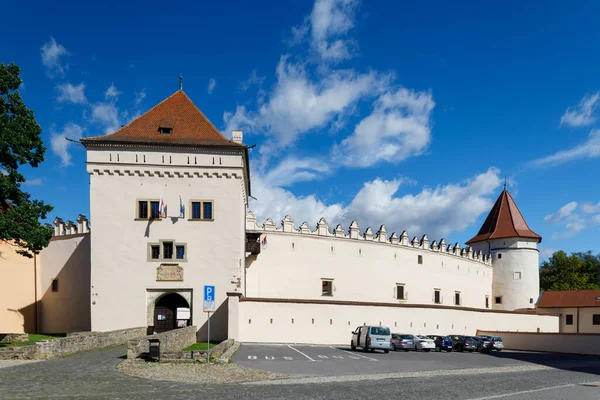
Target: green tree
{"x": 592, "y": 264}
{"x": 20, "y": 143}
{"x": 563, "y": 272}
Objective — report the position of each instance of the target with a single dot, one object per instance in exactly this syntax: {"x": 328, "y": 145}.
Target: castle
{"x": 169, "y": 207}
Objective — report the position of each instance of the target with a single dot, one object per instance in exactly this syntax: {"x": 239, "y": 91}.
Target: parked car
{"x": 371, "y": 338}
{"x": 402, "y": 342}
{"x": 461, "y": 343}
{"x": 496, "y": 342}
{"x": 483, "y": 345}
{"x": 442, "y": 342}
{"x": 423, "y": 343}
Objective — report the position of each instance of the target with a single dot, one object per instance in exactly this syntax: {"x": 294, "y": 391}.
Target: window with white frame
{"x": 326, "y": 287}
{"x": 400, "y": 292}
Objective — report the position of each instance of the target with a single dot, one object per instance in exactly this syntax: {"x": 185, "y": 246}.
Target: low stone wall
{"x": 572, "y": 343}
{"x": 170, "y": 341}
{"x": 217, "y": 353}
{"x": 14, "y": 337}
{"x": 73, "y": 343}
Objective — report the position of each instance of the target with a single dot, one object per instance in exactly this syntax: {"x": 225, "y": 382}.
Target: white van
{"x": 371, "y": 338}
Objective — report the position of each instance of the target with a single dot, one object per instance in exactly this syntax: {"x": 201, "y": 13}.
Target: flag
{"x": 264, "y": 241}
{"x": 181, "y": 209}
{"x": 161, "y": 206}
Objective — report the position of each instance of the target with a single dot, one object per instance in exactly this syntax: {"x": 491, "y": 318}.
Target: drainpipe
{"x": 577, "y": 319}
{"x": 35, "y": 308}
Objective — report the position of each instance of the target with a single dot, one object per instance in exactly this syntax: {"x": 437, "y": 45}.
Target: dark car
{"x": 484, "y": 345}
{"x": 461, "y": 343}
{"x": 496, "y": 342}
{"x": 442, "y": 342}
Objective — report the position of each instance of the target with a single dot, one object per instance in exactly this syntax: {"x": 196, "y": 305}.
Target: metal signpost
{"x": 209, "y": 306}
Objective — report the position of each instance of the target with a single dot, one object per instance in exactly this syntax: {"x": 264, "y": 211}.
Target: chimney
{"x": 237, "y": 136}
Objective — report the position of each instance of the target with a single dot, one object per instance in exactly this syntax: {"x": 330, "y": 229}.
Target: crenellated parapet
{"x": 381, "y": 236}
{"x": 61, "y": 228}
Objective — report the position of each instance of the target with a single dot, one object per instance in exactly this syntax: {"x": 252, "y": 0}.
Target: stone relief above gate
{"x": 169, "y": 272}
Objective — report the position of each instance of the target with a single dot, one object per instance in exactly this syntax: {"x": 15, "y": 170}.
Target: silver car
{"x": 423, "y": 343}
{"x": 371, "y": 338}
{"x": 402, "y": 342}
{"x": 496, "y": 342}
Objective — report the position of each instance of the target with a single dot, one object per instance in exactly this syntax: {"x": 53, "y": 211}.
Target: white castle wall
{"x": 364, "y": 267}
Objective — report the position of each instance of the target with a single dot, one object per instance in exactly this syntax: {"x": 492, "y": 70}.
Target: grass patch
{"x": 33, "y": 338}
{"x": 201, "y": 346}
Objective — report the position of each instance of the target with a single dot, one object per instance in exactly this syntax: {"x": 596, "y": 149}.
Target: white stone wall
{"x": 332, "y": 324}
{"x": 516, "y": 272}
{"x": 585, "y": 315}
{"x": 121, "y": 272}
{"x": 587, "y": 344}
{"x": 363, "y": 268}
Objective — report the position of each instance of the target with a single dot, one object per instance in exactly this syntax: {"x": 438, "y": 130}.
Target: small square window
{"x": 143, "y": 209}
{"x": 55, "y": 285}
{"x": 499, "y": 255}
{"x": 165, "y": 131}
{"x": 180, "y": 252}
{"x": 154, "y": 209}
{"x": 531, "y": 300}
{"x": 420, "y": 259}
{"x": 400, "y": 292}
{"x": 155, "y": 252}
{"x": 596, "y": 319}
{"x": 516, "y": 275}
{"x": 327, "y": 287}
{"x": 487, "y": 302}
{"x": 168, "y": 250}
{"x": 457, "y": 298}
{"x": 207, "y": 210}
{"x": 498, "y": 300}
{"x": 436, "y": 296}
{"x": 569, "y": 319}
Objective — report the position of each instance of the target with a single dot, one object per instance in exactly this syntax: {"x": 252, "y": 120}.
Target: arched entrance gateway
{"x": 171, "y": 311}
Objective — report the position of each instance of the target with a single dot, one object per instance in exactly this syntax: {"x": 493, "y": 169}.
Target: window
{"x": 420, "y": 259}
{"x": 143, "y": 209}
{"x": 154, "y": 209}
{"x": 531, "y": 300}
{"x": 499, "y": 255}
{"x": 165, "y": 131}
{"x": 155, "y": 252}
{"x": 487, "y": 302}
{"x": 180, "y": 252}
{"x": 168, "y": 250}
{"x": 569, "y": 319}
{"x": 516, "y": 275}
{"x": 457, "y": 298}
{"x": 147, "y": 209}
{"x": 400, "y": 292}
{"x": 498, "y": 300}
{"x": 202, "y": 210}
{"x": 436, "y": 296}
{"x": 327, "y": 287}
{"x": 596, "y": 319}
{"x": 55, "y": 285}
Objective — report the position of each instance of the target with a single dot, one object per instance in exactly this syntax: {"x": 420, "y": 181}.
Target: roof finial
{"x": 504, "y": 182}
{"x": 180, "y": 82}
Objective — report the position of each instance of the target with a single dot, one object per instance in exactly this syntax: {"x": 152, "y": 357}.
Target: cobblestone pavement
{"x": 12, "y": 363}
{"x": 93, "y": 375}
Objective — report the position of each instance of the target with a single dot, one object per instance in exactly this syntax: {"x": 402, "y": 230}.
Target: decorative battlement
{"x": 381, "y": 236}
{"x": 60, "y": 228}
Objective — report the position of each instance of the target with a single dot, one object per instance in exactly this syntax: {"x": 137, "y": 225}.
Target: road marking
{"x": 288, "y": 358}
{"x": 354, "y": 357}
{"x": 357, "y": 355}
{"x": 269, "y": 358}
{"x": 339, "y": 357}
{"x": 500, "y": 396}
{"x": 290, "y": 346}
{"x": 320, "y": 356}
{"x": 251, "y": 357}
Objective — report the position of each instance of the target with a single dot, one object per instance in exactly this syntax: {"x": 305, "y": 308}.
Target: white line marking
{"x": 500, "y": 396}
{"x": 290, "y": 346}
{"x": 269, "y": 358}
{"x": 354, "y": 357}
{"x": 320, "y": 356}
{"x": 288, "y": 358}
{"x": 251, "y": 357}
{"x": 358, "y": 355}
{"x": 339, "y": 357}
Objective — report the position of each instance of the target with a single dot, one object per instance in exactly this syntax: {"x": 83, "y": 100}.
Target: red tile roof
{"x": 504, "y": 221}
{"x": 187, "y": 123}
{"x": 570, "y": 298}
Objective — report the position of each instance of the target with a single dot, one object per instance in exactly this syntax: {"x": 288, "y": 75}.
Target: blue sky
{"x": 408, "y": 115}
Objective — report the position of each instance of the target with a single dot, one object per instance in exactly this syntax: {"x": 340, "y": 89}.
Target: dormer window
{"x": 165, "y": 127}
{"x": 165, "y": 131}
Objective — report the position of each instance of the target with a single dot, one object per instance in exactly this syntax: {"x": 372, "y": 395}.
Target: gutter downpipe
{"x": 577, "y": 319}
{"x": 35, "y": 308}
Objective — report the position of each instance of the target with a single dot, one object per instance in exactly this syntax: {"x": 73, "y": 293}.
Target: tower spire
{"x": 504, "y": 182}
{"x": 180, "y": 82}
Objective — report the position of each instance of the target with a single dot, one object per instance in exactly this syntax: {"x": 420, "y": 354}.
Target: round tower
{"x": 515, "y": 258}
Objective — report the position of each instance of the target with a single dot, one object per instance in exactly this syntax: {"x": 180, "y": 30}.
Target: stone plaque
{"x": 169, "y": 272}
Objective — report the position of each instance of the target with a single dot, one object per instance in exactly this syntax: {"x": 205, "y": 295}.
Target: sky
{"x": 388, "y": 112}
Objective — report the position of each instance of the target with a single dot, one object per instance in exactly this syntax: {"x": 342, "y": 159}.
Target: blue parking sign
{"x": 209, "y": 293}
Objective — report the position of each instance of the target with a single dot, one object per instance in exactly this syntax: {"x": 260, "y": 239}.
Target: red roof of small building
{"x": 187, "y": 124}
{"x": 570, "y": 298}
{"x": 504, "y": 221}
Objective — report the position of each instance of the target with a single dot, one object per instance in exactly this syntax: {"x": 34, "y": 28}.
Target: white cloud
{"x": 34, "y": 182}
{"x": 564, "y": 212}
{"x": 293, "y": 169}
{"x": 589, "y": 149}
{"x": 590, "y": 208}
{"x": 52, "y": 58}
{"x": 398, "y": 127}
{"x": 139, "y": 96}
{"x": 69, "y": 93}
{"x": 437, "y": 212}
{"x": 254, "y": 79}
{"x": 60, "y": 145}
{"x": 583, "y": 113}
{"x": 211, "y": 85}
{"x": 107, "y": 116}
{"x": 111, "y": 92}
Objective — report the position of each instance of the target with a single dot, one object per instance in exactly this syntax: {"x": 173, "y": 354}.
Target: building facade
{"x": 578, "y": 310}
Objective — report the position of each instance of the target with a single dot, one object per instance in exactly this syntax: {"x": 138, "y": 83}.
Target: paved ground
{"x": 93, "y": 375}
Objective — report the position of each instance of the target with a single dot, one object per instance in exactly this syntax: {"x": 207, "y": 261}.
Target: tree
{"x": 563, "y": 272}
{"x": 20, "y": 143}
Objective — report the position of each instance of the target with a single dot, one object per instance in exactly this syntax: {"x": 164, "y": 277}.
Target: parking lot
{"x": 307, "y": 360}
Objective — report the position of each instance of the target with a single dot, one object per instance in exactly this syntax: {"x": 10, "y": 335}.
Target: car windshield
{"x": 447, "y": 339}
{"x": 407, "y": 337}
{"x": 380, "y": 331}
{"x": 497, "y": 339}
{"x": 422, "y": 337}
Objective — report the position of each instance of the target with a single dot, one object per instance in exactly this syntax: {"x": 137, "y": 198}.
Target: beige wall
{"x": 67, "y": 258}
{"x": 122, "y": 277}
{"x": 584, "y": 314}
{"x": 17, "y": 291}
{"x": 292, "y": 266}
{"x": 332, "y": 324}
{"x": 551, "y": 342}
